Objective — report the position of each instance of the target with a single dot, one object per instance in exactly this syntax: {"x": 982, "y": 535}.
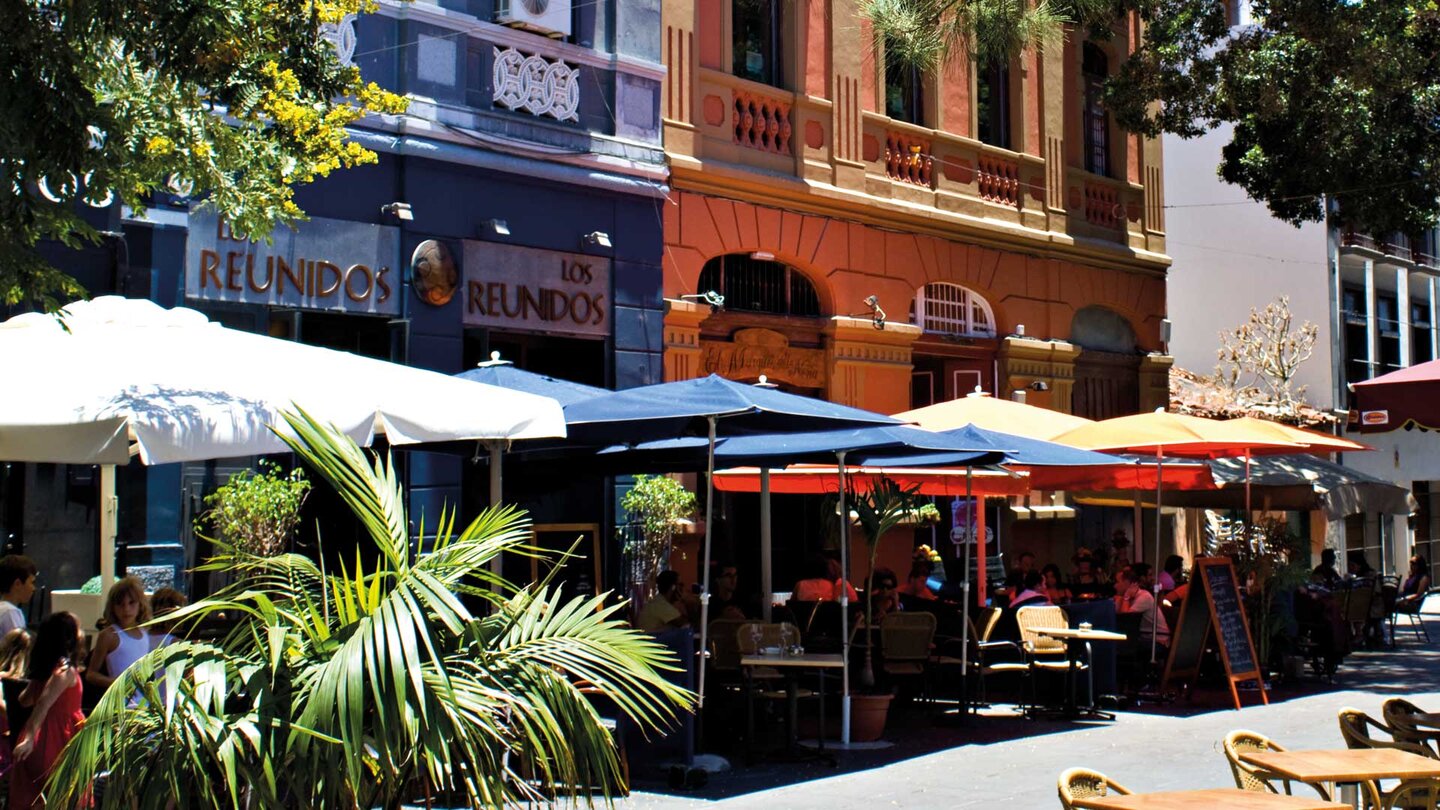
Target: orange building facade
{"x": 888, "y": 239}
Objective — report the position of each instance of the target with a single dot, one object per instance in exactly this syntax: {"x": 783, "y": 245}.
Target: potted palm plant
{"x": 885, "y": 505}
{"x": 375, "y": 685}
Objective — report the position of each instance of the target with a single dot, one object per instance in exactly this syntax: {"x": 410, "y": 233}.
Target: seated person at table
{"x": 1086, "y": 585}
{"x": 664, "y": 612}
{"x": 917, "y": 583}
{"x": 1325, "y": 573}
{"x": 823, "y": 582}
{"x": 886, "y": 598}
{"x": 1131, "y": 598}
{"x": 1172, "y": 574}
{"x": 1415, "y": 586}
{"x": 726, "y": 602}
{"x": 1357, "y": 567}
{"x": 1054, "y": 589}
{"x": 1031, "y": 592}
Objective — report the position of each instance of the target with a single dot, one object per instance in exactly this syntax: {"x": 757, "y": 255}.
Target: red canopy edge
{"x": 1132, "y": 476}
{"x": 821, "y": 479}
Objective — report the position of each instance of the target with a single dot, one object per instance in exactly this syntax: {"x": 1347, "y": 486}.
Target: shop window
{"x": 758, "y": 285}
{"x": 992, "y": 104}
{"x": 1387, "y": 321}
{"x": 1095, "y": 68}
{"x": 759, "y": 41}
{"x": 904, "y": 90}
{"x": 1357, "y": 328}
{"x": 1420, "y": 328}
{"x": 950, "y": 309}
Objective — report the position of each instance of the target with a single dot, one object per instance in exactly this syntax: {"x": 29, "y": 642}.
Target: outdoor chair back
{"x": 1083, "y": 783}
{"x": 1034, "y": 618}
{"x": 989, "y": 620}
{"x": 1415, "y": 794}
{"x": 905, "y": 638}
{"x": 725, "y": 645}
{"x": 1359, "y": 600}
{"x": 1248, "y": 777}
{"x": 1355, "y": 727}
{"x": 1399, "y": 715}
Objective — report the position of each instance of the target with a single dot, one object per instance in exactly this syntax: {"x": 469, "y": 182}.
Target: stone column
{"x": 1155, "y": 381}
{"x": 682, "y": 339}
{"x": 868, "y": 367}
{"x": 1025, "y": 361}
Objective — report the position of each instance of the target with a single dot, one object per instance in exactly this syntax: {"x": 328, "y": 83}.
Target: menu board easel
{"x": 1213, "y": 604}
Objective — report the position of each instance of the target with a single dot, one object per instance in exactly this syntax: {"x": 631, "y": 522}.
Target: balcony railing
{"x": 1103, "y": 206}
{"x": 999, "y": 180}
{"x": 761, "y": 121}
{"x": 908, "y": 159}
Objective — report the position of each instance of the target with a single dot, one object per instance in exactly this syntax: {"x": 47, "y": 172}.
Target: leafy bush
{"x": 656, "y": 506}
{"x": 257, "y": 512}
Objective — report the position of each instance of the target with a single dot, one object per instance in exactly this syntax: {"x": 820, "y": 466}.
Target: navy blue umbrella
{"x": 503, "y": 374}
{"x": 864, "y": 445}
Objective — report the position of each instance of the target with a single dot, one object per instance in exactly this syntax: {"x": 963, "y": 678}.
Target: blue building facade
{"x": 516, "y": 208}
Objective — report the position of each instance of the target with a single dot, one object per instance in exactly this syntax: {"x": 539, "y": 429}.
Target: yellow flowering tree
{"x": 230, "y": 101}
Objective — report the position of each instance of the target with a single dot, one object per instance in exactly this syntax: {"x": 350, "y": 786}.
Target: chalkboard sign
{"x": 1213, "y": 604}
{"x": 580, "y": 574}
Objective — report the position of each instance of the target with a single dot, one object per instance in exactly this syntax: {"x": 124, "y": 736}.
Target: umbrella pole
{"x": 108, "y": 529}
{"x": 1159, "y": 494}
{"x": 767, "y": 567}
{"x": 705, "y": 567}
{"x": 1249, "y": 515}
{"x": 965, "y": 581}
{"x": 496, "y": 479}
{"x": 844, "y": 597}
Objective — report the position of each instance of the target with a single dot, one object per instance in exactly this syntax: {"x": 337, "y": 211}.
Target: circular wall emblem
{"x": 433, "y": 274}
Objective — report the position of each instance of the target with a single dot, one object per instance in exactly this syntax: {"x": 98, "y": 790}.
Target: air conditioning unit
{"x": 548, "y": 17}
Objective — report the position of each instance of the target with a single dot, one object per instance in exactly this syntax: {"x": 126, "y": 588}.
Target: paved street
{"x": 999, "y": 759}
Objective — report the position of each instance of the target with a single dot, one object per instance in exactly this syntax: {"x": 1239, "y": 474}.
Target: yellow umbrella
{"x": 1315, "y": 441}
{"x": 984, "y": 411}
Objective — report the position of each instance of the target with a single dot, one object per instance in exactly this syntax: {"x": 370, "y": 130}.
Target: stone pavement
{"x": 1001, "y": 760}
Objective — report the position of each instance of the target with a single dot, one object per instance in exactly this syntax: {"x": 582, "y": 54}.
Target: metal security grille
{"x": 759, "y": 285}
{"x": 950, "y": 309}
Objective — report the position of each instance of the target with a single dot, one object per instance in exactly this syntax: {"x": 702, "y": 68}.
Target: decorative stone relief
{"x": 536, "y": 85}
{"x": 342, "y": 36}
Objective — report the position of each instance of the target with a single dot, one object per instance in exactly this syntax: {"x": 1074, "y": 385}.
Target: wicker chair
{"x": 1248, "y": 777}
{"x": 1355, "y": 727}
{"x": 1083, "y": 783}
{"x": 1416, "y": 794}
{"x": 1398, "y": 714}
{"x": 905, "y": 640}
{"x": 1045, "y": 654}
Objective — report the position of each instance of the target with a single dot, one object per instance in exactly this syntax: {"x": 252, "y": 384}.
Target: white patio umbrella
{"x": 116, "y": 377}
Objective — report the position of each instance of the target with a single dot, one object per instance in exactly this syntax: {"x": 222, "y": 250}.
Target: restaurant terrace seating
{"x": 1083, "y": 783}
{"x": 905, "y": 640}
{"x": 1355, "y": 727}
{"x": 1045, "y": 654}
{"x": 1247, "y": 777}
{"x": 1414, "y": 794}
{"x": 1400, "y": 715}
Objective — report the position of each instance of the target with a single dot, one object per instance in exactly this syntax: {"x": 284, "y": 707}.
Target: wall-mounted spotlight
{"x": 877, "y": 315}
{"x": 1039, "y": 385}
{"x": 399, "y": 210}
{"x": 499, "y": 227}
{"x": 596, "y": 239}
{"x": 714, "y": 299}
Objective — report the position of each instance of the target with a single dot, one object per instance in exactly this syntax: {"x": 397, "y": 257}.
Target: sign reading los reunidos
{"x": 322, "y": 264}
{"x": 528, "y": 290}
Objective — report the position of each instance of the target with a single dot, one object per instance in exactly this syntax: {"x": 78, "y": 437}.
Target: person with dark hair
{"x": 1053, "y": 586}
{"x": 886, "y": 597}
{"x": 1326, "y": 573}
{"x": 17, "y": 587}
{"x": 1415, "y": 586}
{"x": 726, "y": 600}
{"x": 1357, "y": 566}
{"x": 1130, "y": 597}
{"x": 664, "y": 611}
{"x": 1172, "y": 573}
{"x": 54, "y": 696}
{"x": 1032, "y": 591}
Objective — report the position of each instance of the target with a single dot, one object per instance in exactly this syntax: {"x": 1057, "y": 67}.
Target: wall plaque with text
{"x": 752, "y": 352}
{"x": 529, "y": 290}
{"x": 322, "y": 264}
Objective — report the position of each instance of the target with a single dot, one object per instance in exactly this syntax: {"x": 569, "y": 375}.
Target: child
{"x": 17, "y": 587}
{"x": 55, "y": 693}
{"x": 123, "y": 641}
{"x": 163, "y": 602}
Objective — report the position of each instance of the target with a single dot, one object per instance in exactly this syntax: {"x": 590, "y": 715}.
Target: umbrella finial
{"x": 494, "y": 361}
{"x": 765, "y": 383}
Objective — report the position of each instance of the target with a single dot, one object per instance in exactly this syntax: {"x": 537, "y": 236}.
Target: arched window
{"x": 950, "y": 309}
{"x": 759, "y": 285}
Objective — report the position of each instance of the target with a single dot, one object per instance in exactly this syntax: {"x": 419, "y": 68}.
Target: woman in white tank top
{"x": 123, "y": 641}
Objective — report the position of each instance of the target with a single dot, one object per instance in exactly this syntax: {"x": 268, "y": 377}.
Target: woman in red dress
{"x": 55, "y": 692}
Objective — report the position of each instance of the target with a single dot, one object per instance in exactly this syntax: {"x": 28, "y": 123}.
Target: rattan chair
{"x": 905, "y": 647}
{"x": 1355, "y": 727}
{"x": 1398, "y": 714}
{"x": 1359, "y": 601}
{"x": 1083, "y": 783}
{"x": 1046, "y": 654}
{"x": 1248, "y": 777}
{"x": 1415, "y": 794}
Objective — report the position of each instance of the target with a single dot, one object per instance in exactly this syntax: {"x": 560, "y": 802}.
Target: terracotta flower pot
{"x": 867, "y": 716}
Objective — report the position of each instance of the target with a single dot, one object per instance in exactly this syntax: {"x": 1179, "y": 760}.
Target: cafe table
{"x": 1076, "y": 638}
{"x": 1344, "y": 766}
{"x": 1210, "y": 799}
{"x": 789, "y": 665}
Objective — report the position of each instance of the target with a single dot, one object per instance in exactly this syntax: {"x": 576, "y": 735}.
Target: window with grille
{"x": 950, "y": 309}
{"x": 758, "y": 29}
{"x": 758, "y": 285}
{"x": 1095, "y": 69}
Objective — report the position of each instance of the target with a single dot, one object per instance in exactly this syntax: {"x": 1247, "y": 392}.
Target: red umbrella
{"x": 1410, "y": 396}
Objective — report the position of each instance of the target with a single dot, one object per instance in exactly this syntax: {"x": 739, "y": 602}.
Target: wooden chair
{"x": 1083, "y": 783}
{"x": 1248, "y": 777}
{"x": 1398, "y": 714}
{"x": 1045, "y": 654}
{"x": 905, "y": 647}
{"x": 1415, "y": 794}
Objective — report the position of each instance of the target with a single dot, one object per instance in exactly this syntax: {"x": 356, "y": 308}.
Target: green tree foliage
{"x": 882, "y": 507}
{"x": 235, "y": 100}
{"x": 375, "y": 685}
{"x": 257, "y": 512}
{"x": 1325, "y": 97}
{"x": 656, "y": 504}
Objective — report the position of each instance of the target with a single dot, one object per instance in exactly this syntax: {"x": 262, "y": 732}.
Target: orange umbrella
{"x": 1315, "y": 441}
{"x": 982, "y": 410}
